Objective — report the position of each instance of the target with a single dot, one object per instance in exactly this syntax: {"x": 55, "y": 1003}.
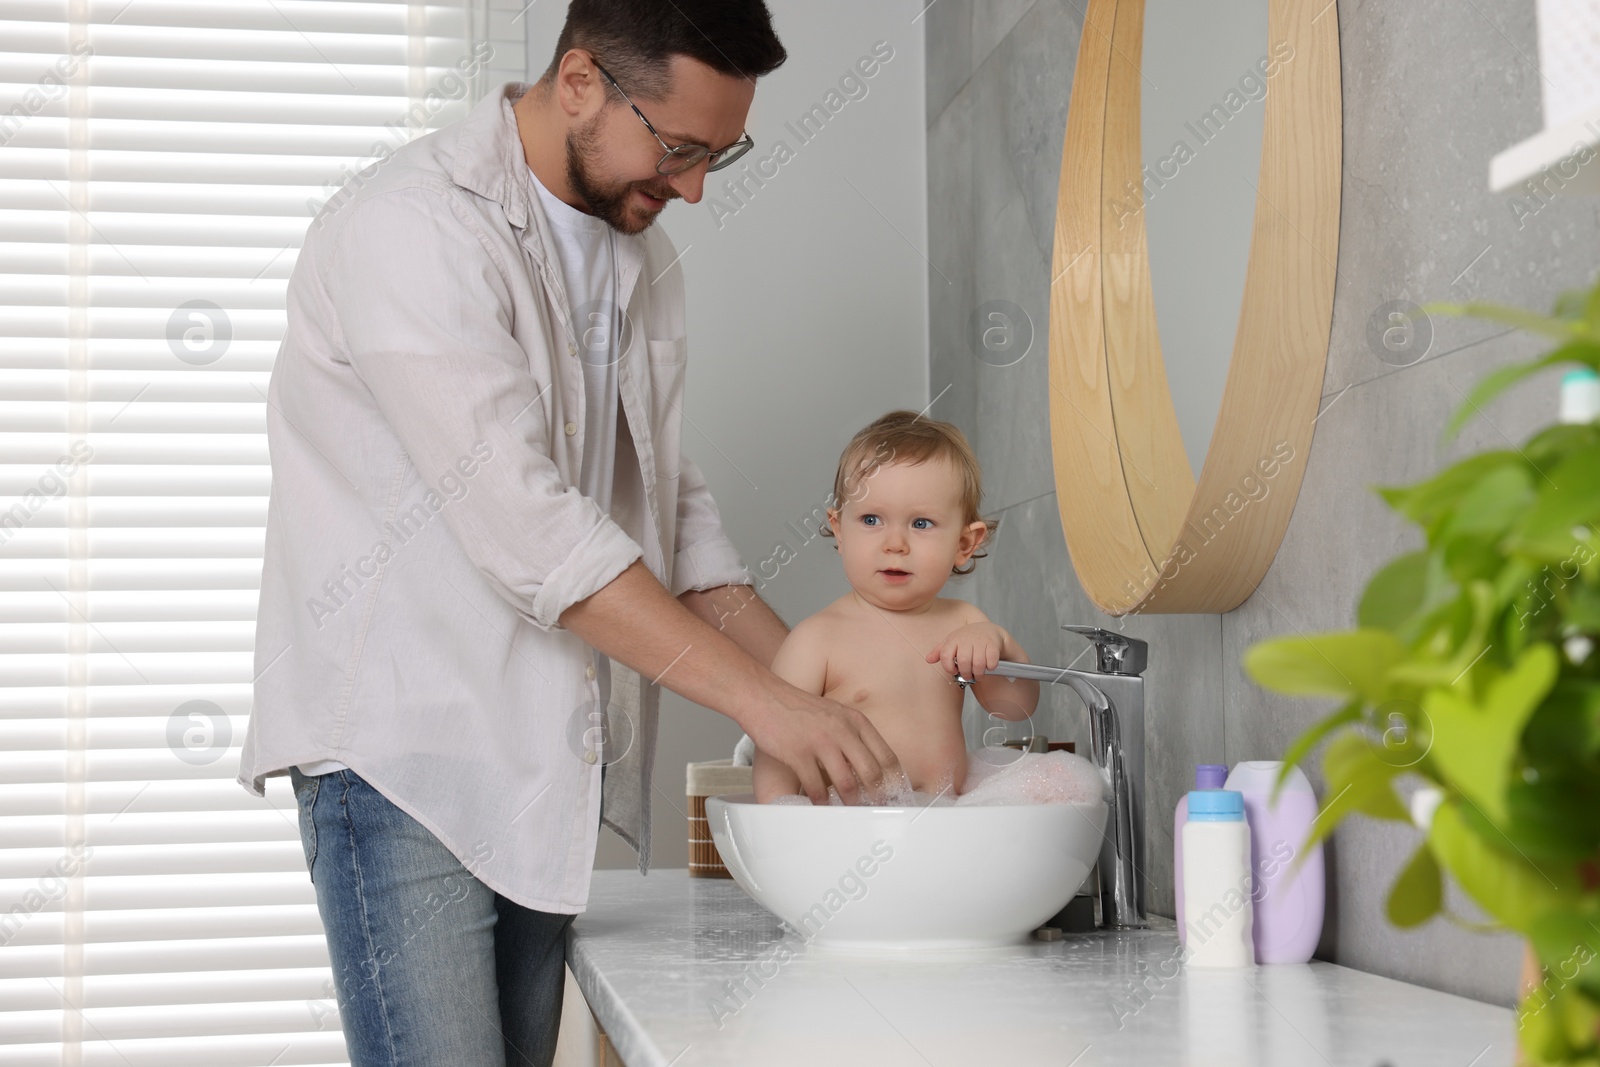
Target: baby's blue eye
{"x": 869, "y": 519}
{"x": 927, "y": 527}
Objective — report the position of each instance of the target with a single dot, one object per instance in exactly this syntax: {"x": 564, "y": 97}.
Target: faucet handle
{"x": 1115, "y": 653}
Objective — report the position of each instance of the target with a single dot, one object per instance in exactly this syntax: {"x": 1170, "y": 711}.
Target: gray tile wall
{"x": 1430, "y": 94}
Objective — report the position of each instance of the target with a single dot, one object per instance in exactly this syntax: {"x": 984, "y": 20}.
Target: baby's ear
{"x": 980, "y": 532}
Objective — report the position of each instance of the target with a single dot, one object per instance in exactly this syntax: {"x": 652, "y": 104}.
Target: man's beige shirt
{"x": 425, "y": 423}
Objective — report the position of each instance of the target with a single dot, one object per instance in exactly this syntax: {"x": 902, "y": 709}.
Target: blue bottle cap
{"x": 1216, "y": 805}
{"x": 1582, "y": 374}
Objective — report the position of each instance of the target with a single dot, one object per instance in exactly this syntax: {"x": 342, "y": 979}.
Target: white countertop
{"x": 658, "y": 958}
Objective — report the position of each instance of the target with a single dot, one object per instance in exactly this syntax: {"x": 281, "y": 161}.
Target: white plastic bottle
{"x": 1580, "y": 397}
{"x": 1206, "y": 776}
{"x": 1216, "y": 881}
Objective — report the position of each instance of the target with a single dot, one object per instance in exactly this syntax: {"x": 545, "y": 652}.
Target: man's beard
{"x": 612, "y": 203}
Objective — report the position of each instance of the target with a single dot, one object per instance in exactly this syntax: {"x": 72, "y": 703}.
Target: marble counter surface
{"x": 688, "y": 972}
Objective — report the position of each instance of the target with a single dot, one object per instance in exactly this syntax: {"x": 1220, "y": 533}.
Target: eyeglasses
{"x": 685, "y": 156}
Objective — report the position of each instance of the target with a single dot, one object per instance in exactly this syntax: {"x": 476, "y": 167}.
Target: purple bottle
{"x": 1288, "y": 908}
{"x": 1206, "y": 776}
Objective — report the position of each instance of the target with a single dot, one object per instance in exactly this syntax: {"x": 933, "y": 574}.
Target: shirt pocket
{"x": 672, "y": 350}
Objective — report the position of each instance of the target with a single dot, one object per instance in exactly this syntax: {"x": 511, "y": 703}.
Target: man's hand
{"x": 807, "y": 732}
{"x": 635, "y": 621}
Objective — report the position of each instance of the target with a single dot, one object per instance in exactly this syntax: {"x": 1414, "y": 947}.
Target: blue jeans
{"x": 431, "y": 967}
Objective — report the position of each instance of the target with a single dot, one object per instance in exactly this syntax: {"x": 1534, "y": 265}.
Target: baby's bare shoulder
{"x": 807, "y": 632}
{"x": 822, "y": 628}
{"x": 959, "y": 612}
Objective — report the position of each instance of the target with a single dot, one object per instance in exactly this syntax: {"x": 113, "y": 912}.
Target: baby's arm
{"x": 801, "y": 661}
{"x": 1012, "y": 699}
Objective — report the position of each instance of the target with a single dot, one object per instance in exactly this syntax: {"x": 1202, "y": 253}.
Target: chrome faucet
{"x": 1114, "y": 695}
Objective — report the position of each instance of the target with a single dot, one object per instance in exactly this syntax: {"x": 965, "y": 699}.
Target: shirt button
{"x": 588, "y": 671}
{"x": 572, "y": 428}
{"x": 572, "y": 349}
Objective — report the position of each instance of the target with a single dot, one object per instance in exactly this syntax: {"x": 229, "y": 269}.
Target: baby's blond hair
{"x": 912, "y": 438}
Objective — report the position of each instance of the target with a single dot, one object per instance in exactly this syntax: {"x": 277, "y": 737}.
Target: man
{"x": 484, "y": 540}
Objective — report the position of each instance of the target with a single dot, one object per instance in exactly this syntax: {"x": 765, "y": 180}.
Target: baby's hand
{"x": 971, "y": 650}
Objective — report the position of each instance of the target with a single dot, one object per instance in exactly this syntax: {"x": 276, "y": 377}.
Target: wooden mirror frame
{"x": 1144, "y": 538}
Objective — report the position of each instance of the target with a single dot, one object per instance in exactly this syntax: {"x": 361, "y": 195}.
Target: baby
{"x": 905, "y": 519}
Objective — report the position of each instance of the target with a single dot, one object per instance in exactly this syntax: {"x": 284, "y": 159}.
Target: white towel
{"x": 744, "y": 753}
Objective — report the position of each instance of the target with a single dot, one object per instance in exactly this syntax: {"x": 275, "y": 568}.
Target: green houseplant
{"x": 1473, "y": 666}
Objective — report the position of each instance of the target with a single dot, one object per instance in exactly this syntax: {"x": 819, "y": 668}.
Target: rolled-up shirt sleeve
{"x": 423, "y": 305}
{"x": 704, "y": 558}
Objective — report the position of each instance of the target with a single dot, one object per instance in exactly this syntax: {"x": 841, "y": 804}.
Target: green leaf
{"x": 1570, "y": 303}
{"x": 1418, "y": 892}
{"x": 1313, "y": 736}
{"x": 1540, "y": 1035}
{"x": 1489, "y": 386}
{"x": 1425, "y": 673}
{"x": 1347, "y": 664}
{"x": 1580, "y": 1018}
{"x": 1566, "y": 726}
{"x": 1512, "y": 584}
{"x": 1571, "y": 498}
{"x": 1395, "y": 593}
{"x": 1502, "y": 883}
{"x": 1491, "y": 506}
{"x": 1359, "y": 780}
{"x": 1473, "y": 558}
{"x": 1583, "y": 608}
{"x": 1552, "y": 818}
{"x": 1590, "y": 303}
{"x": 1439, "y": 631}
{"x": 1500, "y": 379}
{"x": 1568, "y": 946}
{"x": 1426, "y": 501}
{"x": 1556, "y": 442}
{"x": 1521, "y": 318}
{"x": 1463, "y": 629}
{"x": 1474, "y": 747}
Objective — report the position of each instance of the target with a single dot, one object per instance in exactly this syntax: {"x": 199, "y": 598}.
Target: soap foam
{"x": 1059, "y": 777}
{"x": 994, "y": 776}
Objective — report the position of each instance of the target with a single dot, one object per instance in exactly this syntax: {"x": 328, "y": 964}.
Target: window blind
{"x": 160, "y": 162}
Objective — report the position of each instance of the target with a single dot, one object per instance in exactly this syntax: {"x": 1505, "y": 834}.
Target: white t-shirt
{"x": 588, "y": 250}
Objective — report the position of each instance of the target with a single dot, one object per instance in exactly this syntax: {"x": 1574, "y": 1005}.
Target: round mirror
{"x": 1196, "y": 236}
{"x": 1200, "y": 125}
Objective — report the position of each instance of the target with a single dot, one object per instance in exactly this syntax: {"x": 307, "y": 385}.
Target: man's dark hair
{"x": 635, "y": 40}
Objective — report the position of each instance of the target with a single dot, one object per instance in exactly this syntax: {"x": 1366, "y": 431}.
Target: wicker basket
{"x": 711, "y": 779}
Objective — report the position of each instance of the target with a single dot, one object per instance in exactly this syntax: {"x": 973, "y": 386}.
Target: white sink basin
{"x": 896, "y": 879}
